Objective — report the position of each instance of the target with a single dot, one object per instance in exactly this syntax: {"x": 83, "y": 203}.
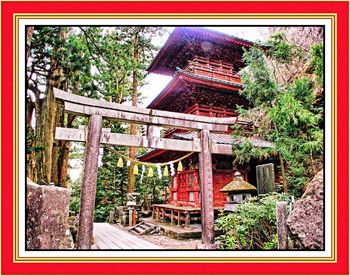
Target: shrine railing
{"x": 214, "y": 69}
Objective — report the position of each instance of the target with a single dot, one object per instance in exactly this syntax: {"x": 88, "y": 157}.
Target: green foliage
{"x": 245, "y": 151}
{"x": 298, "y": 135}
{"x": 281, "y": 50}
{"x": 258, "y": 77}
{"x": 290, "y": 116}
{"x": 253, "y": 226}
{"x": 272, "y": 245}
{"x": 317, "y": 62}
{"x": 75, "y": 197}
{"x": 112, "y": 56}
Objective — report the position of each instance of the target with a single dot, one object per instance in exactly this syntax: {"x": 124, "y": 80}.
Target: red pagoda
{"x": 204, "y": 65}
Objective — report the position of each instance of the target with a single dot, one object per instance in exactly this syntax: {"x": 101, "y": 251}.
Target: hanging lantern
{"x": 136, "y": 170}
{"x": 150, "y": 172}
{"x": 179, "y": 167}
{"x": 166, "y": 171}
{"x": 120, "y": 163}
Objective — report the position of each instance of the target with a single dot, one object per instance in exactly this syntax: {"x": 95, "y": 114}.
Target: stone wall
{"x": 306, "y": 219}
{"x": 47, "y": 210}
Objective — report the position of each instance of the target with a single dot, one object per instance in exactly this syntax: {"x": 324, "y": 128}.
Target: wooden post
{"x": 88, "y": 189}
{"x": 130, "y": 216}
{"x": 281, "y": 216}
{"x": 171, "y": 216}
{"x": 206, "y": 183}
{"x": 187, "y": 218}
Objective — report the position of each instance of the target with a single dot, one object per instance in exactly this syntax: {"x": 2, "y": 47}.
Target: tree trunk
{"x": 29, "y": 35}
{"x": 45, "y": 129}
{"x": 56, "y": 153}
{"x": 284, "y": 180}
{"x": 64, "y": 156}
{"x": 29, "y": 103}
{"x": 46, "y": 121}
{"x": 285, "y": 187}
{"x": 64, "y": 146}
{"x": 133, "y": 127}
{"x": 44, "y": 136}
{"x": 30, "y": 157}
{"x": 58, "y": 116}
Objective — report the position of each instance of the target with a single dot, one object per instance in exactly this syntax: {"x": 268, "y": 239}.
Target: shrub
{"x": 253, "y": 226}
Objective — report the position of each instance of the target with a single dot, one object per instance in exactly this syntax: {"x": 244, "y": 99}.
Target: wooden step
{"x": 142, "y": 228}
{"x": 139, "y": 230}
{"x": 149, "y": 224}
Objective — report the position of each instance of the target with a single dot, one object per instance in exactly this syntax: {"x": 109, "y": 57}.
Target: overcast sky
{"x": 155, "y": 83}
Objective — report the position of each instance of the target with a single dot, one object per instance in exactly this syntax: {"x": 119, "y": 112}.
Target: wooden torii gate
{"x": 97, "y": 110}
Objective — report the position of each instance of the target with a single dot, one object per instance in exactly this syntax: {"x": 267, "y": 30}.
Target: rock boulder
{"x": 306, "y": 219}
{"x": 47, "y": 211}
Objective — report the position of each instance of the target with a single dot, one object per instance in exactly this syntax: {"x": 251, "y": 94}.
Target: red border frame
{"x": 341, "y": 266}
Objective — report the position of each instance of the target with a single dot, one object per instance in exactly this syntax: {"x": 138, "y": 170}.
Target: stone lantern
{"x": 238, "y": 190}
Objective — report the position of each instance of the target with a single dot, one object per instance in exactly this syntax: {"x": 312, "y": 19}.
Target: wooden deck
{"x": 180, "y": 215}
{"x": 106, "y": 236}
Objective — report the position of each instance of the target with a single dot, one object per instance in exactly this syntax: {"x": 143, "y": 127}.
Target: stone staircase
{"x": 144, "y": 228}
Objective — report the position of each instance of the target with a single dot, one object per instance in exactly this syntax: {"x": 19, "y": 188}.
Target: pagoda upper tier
{"x": 188, "y": 93}
{"x": 201, "y": 51}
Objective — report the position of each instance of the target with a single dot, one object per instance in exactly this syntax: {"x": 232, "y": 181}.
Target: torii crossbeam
{"x": 97, "y": 110}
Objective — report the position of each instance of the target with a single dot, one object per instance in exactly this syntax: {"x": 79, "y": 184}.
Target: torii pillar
{"x": 206, "y": 185}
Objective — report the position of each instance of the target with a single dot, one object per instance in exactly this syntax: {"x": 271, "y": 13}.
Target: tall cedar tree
{"x": 56, "y": 57}
{"x": 91, "y": 61}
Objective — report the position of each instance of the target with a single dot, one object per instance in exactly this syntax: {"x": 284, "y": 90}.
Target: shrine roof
{"x": 216, "y": 137}
{"x": 226, "y": 139}
{"x": 167, "y": 60}
{"x": 178, "y": 84}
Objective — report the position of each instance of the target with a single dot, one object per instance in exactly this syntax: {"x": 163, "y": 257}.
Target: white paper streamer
{"x": 172, "y": 169}
{"x": 159, "y": 170}
{"x": 142, "y": 172}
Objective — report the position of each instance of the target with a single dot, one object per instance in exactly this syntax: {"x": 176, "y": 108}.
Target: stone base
{"x": 47, "y": 209}
{"x": 207, "y": 246}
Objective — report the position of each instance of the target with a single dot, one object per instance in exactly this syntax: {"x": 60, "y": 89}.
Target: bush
{"x": 253, "y": 226}
{"x": 75, "y": 197}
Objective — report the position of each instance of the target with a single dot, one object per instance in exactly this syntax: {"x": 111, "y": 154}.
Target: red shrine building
{"x": 204, "y": 66}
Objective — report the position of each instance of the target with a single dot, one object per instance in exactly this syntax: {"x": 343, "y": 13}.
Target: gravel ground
{"x": 165, "y": 241}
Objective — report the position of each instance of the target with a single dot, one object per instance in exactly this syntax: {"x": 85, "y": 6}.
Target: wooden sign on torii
{"x": 97, "y": 110}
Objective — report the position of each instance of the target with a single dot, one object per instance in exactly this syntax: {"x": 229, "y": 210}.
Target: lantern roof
{"x": 238, "y": 185}
{"x": 186, "y": 42}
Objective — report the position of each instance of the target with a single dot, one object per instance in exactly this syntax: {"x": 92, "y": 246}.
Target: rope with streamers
{"x": 149, "y": 164}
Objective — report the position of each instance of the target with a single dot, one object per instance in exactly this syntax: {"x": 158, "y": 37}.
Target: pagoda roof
{"x": 167, "y": 60}
{"x": 183, "y": 78}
